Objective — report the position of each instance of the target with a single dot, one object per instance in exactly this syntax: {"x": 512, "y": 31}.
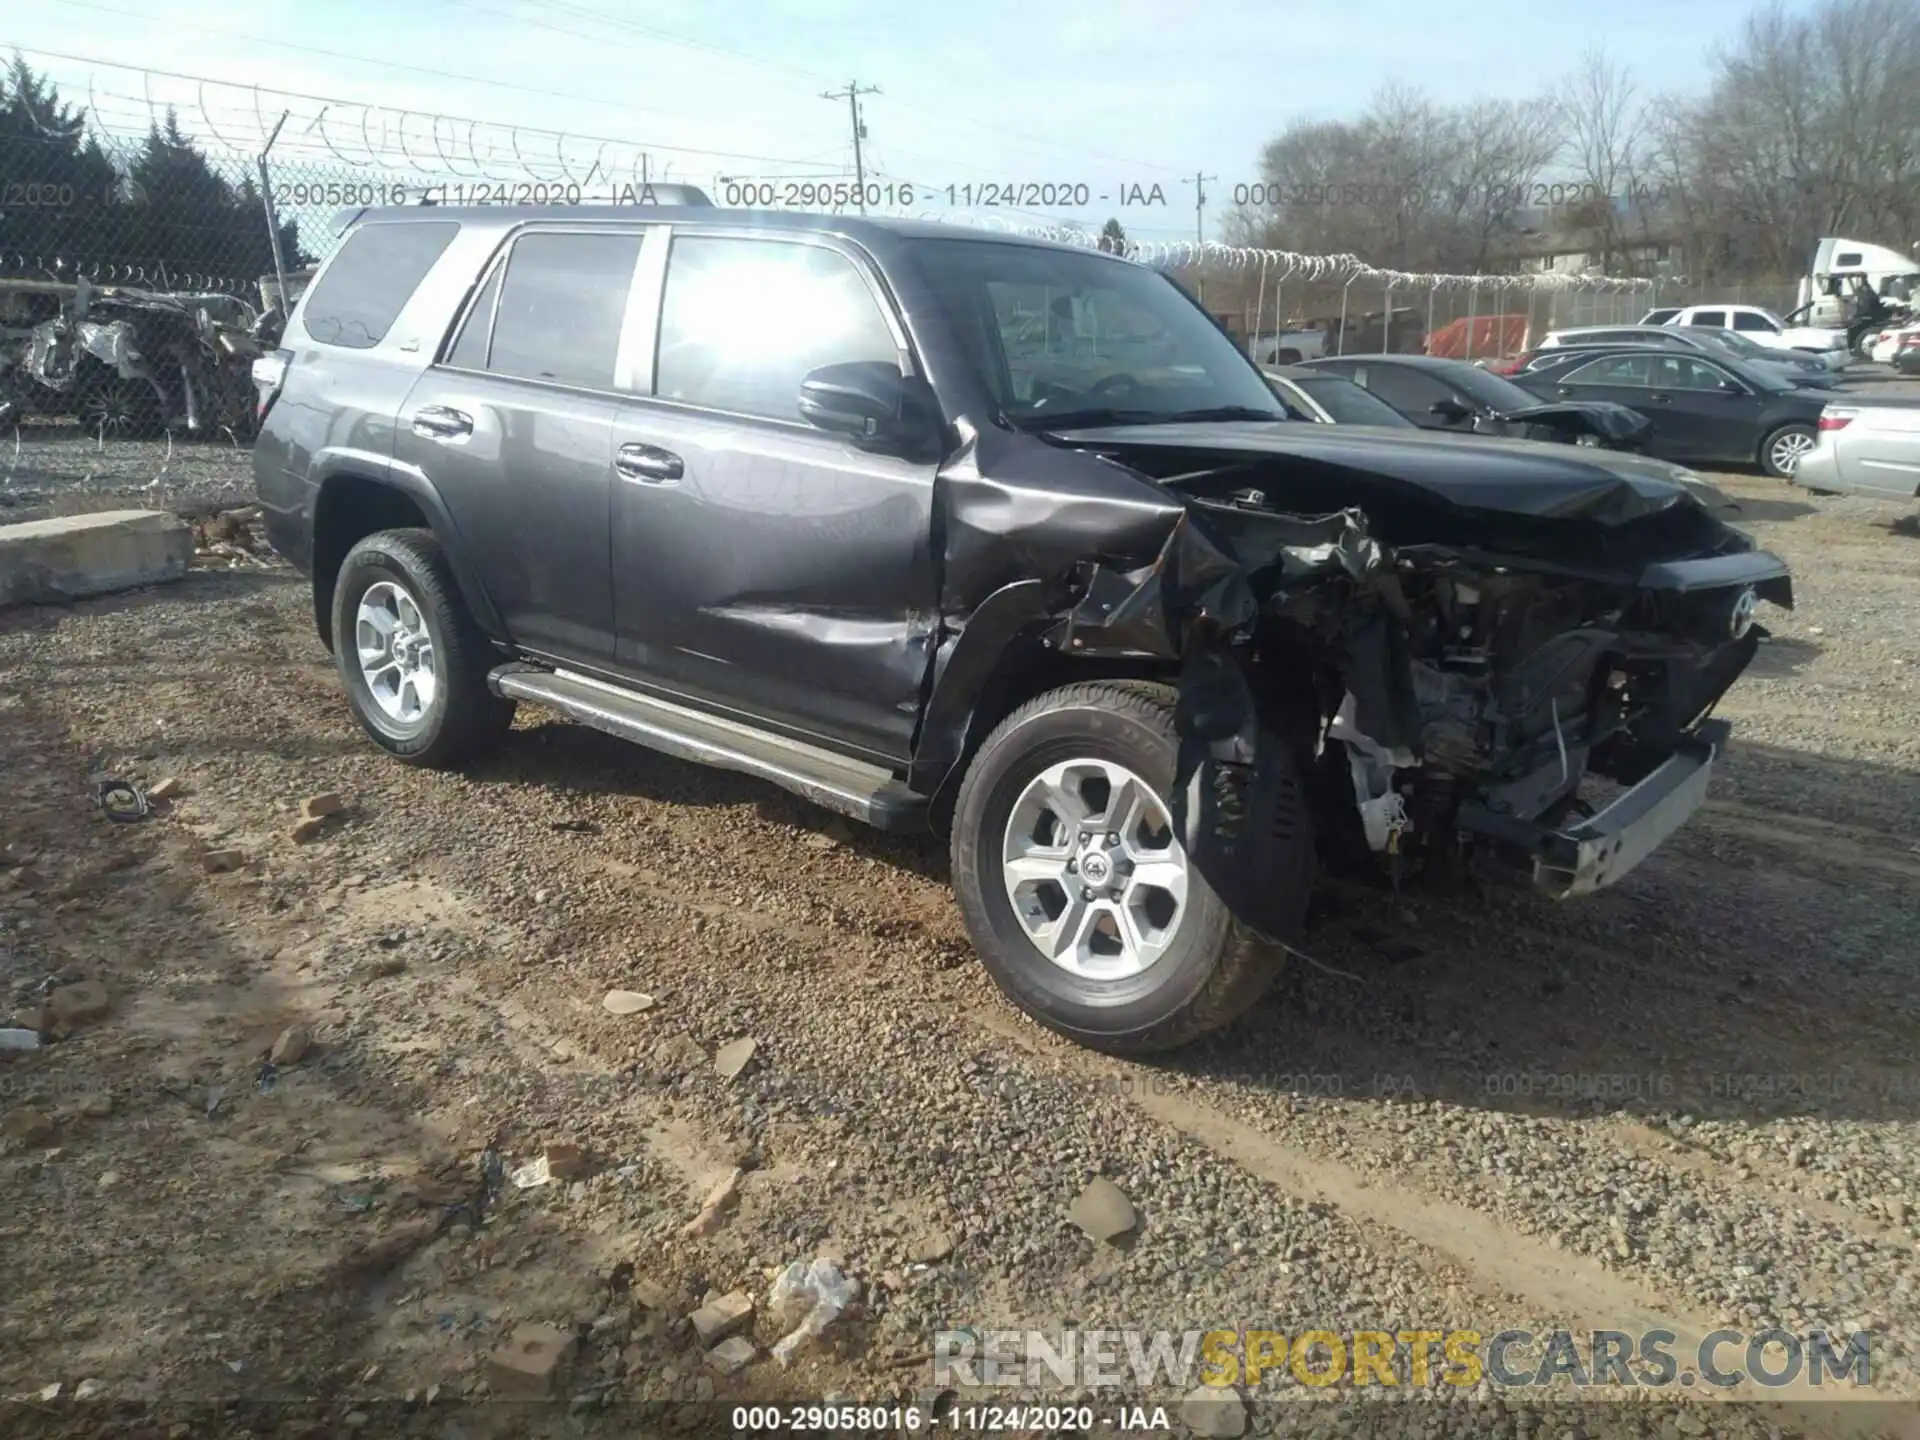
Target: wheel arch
{"x": 354, "y": 501}
{"x": 999, "y": 662}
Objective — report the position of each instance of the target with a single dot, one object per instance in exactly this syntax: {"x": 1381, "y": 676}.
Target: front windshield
{"x": 1063, "y": 337}
{"x": 1486, "y": 388}
{"x": 1734, "y": 341}
{"x": 1350, "y": 404}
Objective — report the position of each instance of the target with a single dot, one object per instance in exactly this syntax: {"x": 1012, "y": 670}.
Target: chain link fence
{"x": 140, "y": 277}
{"x": 1497, "y": 318}
{"x": 141, "y": 273}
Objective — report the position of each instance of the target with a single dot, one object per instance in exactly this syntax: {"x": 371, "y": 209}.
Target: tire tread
{"x": 474, "y": 718}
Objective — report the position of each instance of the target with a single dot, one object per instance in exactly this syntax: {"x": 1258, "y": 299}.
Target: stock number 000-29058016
{"x": 812, "y": 194}
{"x": 813, "y": 1419}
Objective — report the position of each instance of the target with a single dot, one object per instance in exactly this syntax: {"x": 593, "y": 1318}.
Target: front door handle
{"x": 441, "y": 422}
{"x": 1659, "y": 398}
{"x": 648, "y": 465}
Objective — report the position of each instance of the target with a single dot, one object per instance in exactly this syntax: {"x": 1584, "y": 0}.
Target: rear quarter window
{"x": 378, "y": 268}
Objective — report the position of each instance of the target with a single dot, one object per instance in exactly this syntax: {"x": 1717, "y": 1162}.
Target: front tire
{"x": 412, "y": 660}
{"x": 1784, "y": 448}
{"x": 113, "y": 408}
{"x": 1081, "y": 897}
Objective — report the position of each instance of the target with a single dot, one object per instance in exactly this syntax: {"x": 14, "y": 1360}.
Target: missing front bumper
{"x": 1598, "y": 851}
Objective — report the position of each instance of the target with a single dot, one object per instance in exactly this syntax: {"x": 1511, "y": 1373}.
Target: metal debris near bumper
{"x": 1602, "y": 849}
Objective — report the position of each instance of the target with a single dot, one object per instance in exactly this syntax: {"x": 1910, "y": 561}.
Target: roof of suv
{"x": 853, "y": 227}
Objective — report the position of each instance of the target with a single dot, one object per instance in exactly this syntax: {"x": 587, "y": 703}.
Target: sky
{"x": 1048, "y": 111}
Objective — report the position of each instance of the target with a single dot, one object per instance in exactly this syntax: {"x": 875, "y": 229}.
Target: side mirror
{"x": 1451, "y": 411}
{"x": 864, "y": 399}
{"x": 1733, "y": 387}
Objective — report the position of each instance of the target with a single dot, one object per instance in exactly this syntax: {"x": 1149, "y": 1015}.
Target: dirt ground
{"x": 1692, "y": 1101}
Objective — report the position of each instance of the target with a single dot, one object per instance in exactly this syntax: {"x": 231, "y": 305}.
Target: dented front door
{"x": 759, "y": 564}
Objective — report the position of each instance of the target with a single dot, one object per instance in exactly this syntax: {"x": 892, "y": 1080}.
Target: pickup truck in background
{"x": 1763, "y": 327}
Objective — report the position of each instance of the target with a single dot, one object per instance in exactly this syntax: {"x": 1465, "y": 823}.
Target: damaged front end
{"x": 1449, "y": 663}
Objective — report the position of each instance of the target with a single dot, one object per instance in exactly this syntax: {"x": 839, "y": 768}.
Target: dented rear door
{"x": 761, "y": 565}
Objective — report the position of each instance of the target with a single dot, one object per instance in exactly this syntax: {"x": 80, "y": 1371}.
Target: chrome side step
{"x": 851, "y": 787}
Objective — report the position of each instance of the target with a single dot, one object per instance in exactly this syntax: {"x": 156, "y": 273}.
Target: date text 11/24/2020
{"x": 783, "y": 194}
{"x": 734, "y": 194}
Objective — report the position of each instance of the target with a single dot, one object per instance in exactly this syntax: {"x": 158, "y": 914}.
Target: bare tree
{"x": 1811, "y": 128}
{"x": 1809, "y": 125}
{"x": 1498, "y": 150}
{"x": 1408, "y": 183}
{"x": 1605, "y": 127}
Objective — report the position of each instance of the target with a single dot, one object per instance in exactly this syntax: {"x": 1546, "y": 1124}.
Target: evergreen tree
{"x": 66, "y": 207}
{"x": 55, "y": 180}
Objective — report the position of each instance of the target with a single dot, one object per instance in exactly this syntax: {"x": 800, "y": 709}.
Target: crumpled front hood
{"x": 1546, "y": 481}
{"x": 1598, "y": 417}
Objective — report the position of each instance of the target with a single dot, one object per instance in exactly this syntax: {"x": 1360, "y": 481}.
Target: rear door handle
{"x": 440, "y": 422}
{"x": 648, "y": 465}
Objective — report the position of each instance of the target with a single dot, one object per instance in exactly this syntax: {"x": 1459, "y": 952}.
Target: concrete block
{"x": 49, "y": 561}
{"x": 525, "y": 1365}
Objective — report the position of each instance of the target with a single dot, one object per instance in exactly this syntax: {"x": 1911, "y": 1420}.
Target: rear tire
{"x": 1149, "y": 975}
{"x": 1781, "y": 451}
{"x": 412, "y": 660}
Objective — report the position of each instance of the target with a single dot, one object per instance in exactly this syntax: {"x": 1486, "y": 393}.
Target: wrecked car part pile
{"x": 128, "y": 362}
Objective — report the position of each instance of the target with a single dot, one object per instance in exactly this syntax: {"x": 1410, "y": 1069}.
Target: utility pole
{"x": 1199, "y": 183}
{"x": 852, "y": 95}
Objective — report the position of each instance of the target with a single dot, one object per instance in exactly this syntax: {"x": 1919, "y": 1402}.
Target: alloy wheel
{"x": 1789, "y": 449}
{"x": 395, "y": 650}
{"x": 1095, "y": 873}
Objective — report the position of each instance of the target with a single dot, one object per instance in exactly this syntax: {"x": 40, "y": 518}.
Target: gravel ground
{"x": 50, "y": 468}
{"x": 1690, "y": 1102}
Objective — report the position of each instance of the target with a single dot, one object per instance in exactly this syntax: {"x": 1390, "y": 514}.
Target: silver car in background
{"x": 1867, "y": 446}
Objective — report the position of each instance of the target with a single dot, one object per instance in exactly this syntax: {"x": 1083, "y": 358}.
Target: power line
{"x": 852, "y": 95}
{"x": 335, "y": 100}
{"x": 943, "y": 112}
{"x": 402, "y": 66}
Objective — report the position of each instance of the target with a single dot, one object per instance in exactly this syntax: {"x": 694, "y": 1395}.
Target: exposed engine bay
{"x": 1446, "y": 675}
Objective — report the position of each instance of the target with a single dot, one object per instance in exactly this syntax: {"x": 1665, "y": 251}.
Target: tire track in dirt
{"x": 1815, "y": 846}
{"x": 1576, "y": 1291}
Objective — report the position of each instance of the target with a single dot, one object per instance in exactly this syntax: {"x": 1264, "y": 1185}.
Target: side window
{"x": 561, "y": 303}
{"x": 1709, "y": 319}
{"x": 1410, "y": 393}
{"x": 1634, "y": 370}
{"x": 371, "y": 279}
{"x": 743, "y": 321}
{"x": 470, "y": 350}
{"x": 1747, "y": 320}
{"x": 1681, "y": 373}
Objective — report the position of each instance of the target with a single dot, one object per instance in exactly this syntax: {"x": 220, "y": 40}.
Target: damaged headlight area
{"x": 1444, "y": 702}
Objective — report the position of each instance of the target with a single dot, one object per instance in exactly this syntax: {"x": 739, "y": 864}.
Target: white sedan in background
{"x": 1763, "y": 327}
{"x": 1883, "y": 345}
{"x": 1869, "y": 446}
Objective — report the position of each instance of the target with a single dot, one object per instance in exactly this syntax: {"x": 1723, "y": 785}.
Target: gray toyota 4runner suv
{"x": 945, "y": 528}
